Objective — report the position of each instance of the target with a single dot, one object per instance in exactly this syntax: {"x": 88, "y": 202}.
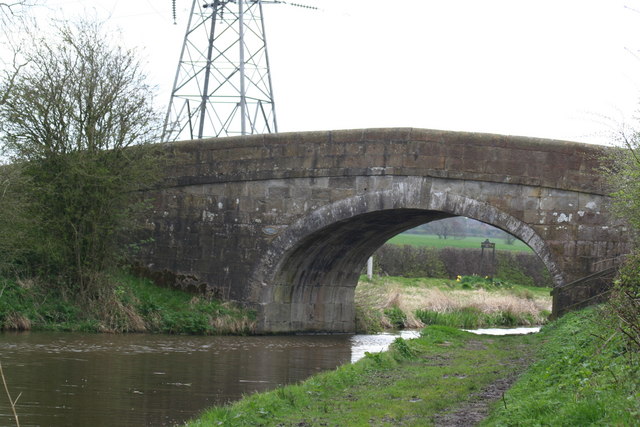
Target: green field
{"x": 433, "y": 241}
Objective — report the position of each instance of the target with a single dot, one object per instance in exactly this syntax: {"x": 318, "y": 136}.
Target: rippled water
{"x": 70, "y": 379}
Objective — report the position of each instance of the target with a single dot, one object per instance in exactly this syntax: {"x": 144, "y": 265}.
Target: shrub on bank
{"x": 625, "y": 300}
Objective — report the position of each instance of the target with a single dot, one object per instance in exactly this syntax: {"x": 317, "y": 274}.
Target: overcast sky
{"x": 566, "y": 69}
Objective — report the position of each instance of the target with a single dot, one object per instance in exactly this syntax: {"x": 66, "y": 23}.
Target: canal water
{"x": 71, "y": 379}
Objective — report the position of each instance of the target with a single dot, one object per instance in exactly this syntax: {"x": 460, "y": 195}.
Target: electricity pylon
{"x": 223, "y": 83}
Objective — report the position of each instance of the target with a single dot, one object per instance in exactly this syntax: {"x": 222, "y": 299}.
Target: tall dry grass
{"x": 380, "y": 295}
{"x": 15, "y": 321}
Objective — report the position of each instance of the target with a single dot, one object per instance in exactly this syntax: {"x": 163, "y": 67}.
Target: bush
{"x": 448, "y": 263}
{"x": 368, "y": 321}
{"x": 76, "y": 118}
{"x": 625, "y": 300}
{"x": 410, "y": 261}
{"x": 396, "y": 317}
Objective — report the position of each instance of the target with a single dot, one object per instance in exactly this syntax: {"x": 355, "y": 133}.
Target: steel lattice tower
{"x": 224, "y": 89}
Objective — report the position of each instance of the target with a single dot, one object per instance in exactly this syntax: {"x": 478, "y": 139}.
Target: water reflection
{"x": 505, "y": 331}
{"x": 361, "y": 344}
{"x": 93, "y": 379}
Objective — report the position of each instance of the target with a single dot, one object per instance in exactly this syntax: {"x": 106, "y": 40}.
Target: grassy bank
{"x": 130, "y": 304}
{"x": 586, "y": 375}
{"x": 408, "y": 385}
{"x": 470, "y": 302}
{"x": 471, "y": 242}
{"x": 581, "y": 376}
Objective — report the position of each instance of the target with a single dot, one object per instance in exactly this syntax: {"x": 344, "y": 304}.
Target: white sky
{"x": 563, "y": 69}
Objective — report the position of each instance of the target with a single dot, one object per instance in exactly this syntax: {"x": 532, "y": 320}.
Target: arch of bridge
{"x": 308, "y": 275}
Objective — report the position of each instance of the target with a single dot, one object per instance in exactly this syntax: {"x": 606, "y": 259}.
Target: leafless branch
{"x": 8, "y": 9}
{"x": 11, "y": 78}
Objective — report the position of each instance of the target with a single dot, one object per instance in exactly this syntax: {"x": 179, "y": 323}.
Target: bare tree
{"x": 12, "y": 13}
{"x": 76, "y": 107}
{"x": 12, "y": 21}
{"x": 13, "y": 9}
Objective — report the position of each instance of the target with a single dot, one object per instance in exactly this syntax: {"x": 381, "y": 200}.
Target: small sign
{"x": 487, "y": 245}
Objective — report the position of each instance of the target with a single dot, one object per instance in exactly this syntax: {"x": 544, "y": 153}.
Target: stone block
{"x": 278, "y": 192}
{"x": 355, "y": 149}
{"x": 321, "y": 194}
{"x": 375, "y": 148}
{"x": 348, "y": 136}
{"x": 347, "y": 182}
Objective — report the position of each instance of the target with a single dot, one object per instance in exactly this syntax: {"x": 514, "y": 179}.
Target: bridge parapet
{"x": 401, "y": 151}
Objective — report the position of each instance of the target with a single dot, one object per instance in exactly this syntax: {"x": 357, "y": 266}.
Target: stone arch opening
{"x": 307, "y": 279}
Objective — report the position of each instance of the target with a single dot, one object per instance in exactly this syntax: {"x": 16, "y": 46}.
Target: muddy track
{"x": 472, "y": 411}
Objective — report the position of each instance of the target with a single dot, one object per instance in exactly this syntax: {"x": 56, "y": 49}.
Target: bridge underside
{"x": 314, "y": 288}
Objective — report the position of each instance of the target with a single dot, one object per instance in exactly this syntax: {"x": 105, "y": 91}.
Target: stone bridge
{"x": 284, "y": 223}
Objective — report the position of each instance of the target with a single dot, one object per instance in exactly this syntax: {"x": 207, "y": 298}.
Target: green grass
{"x": 128, "y": 304}
{"x": 407, "y": 385}
{"x": 472, "y": 318}
{"x": 469, "y": 283}
{"x": 586, "y": 375}
{"x": 432, "y": 241}
{"x": 583, "y": 375}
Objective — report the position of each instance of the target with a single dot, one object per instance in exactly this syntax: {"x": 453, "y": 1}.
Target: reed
{"x": 12, "y": 402}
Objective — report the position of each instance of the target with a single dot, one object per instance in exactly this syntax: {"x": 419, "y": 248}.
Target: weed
{"x": 396, "y": 317}
{"x": 401, "y": 349}
{"x": 12, "y": 401}
{"x": 377, "y": 358}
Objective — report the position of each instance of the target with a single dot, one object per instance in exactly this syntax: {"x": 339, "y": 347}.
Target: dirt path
{"x": 471, "y": 412}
